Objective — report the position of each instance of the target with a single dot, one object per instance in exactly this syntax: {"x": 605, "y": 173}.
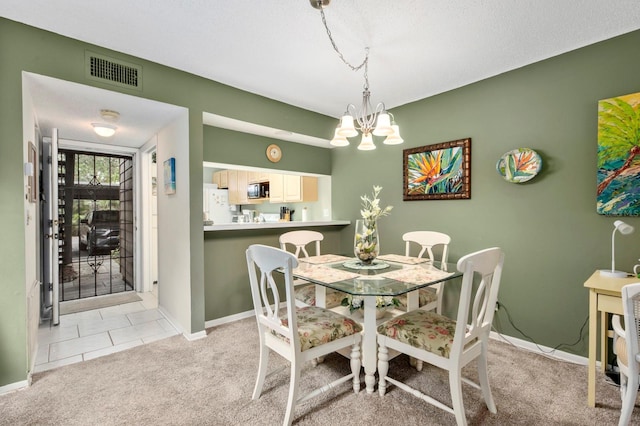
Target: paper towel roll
{"x": 305, "y": 214}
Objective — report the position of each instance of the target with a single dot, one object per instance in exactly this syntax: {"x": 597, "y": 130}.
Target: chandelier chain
{"x": 365, "y": 62}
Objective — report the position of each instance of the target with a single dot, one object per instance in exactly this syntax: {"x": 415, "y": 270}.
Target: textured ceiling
{"x": 280, "y": 49}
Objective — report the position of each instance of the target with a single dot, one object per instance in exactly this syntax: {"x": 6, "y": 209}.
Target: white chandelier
{"x": 369, "y": 121}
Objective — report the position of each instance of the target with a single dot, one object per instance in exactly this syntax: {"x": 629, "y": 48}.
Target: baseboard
{"x": 12, "y": 387}
{"x": 540, "y": 349}
{"x": 195, "y": 336}
{"x": 228, "y": 319}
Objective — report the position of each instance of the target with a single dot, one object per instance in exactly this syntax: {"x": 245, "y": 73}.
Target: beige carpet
{"x": 98, "y": 302}
{"x": 209, "y": 382}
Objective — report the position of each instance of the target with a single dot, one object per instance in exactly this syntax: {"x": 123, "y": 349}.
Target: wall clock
{"x": 274, "y": 153}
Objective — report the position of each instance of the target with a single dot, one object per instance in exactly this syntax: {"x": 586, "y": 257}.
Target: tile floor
{"x": 91, "y": 334}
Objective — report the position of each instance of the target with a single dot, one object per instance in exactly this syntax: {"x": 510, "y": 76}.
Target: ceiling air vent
{"x": 113, "y": 71}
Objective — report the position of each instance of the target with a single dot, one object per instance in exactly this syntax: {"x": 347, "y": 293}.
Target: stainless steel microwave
{"x": 258, "y": 190}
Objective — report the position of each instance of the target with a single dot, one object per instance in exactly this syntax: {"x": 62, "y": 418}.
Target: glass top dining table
{"x": 389, "y": 275}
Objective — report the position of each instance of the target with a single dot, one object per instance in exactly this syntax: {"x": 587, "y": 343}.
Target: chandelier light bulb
{"x": 383, "y": 125}
{"x": 339, "y": 140}
{"x": 394, "y": 138}
{"x": 366, "y": 144}
{"x": 346, "y": 128}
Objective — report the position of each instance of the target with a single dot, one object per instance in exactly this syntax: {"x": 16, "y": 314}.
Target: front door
{"x": 96, "y": 216}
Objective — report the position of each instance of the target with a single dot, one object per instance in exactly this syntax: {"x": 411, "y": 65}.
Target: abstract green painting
{"x": 618, "y": 190}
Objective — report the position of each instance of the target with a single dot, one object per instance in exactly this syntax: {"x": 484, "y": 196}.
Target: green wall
{"x": 24, "y": 48}
{"x": 13, "y": 333}
{"x": 548, "y": 227}
{"x": 229, "y": 147}
{"x": 227, "y": 289}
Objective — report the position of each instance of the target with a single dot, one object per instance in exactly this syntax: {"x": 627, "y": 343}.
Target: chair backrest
{"x": 631, "y": 309}
{"x": 299, "y": 239}
{"x": 265, "y": 293}
{"x": 427, "y": 240}
{"x": 475, "y": 314}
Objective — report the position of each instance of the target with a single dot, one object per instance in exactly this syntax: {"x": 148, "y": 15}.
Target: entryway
{"x": 85, "y": 335}
{"x": 95, "y": 208}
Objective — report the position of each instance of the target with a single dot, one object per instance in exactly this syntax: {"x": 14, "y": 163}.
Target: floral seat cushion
{"x": 307, "y": 295}
{"x": 422, "y": 329}
{"x": 317, "y": 326}
{"x": 425, "y": 296}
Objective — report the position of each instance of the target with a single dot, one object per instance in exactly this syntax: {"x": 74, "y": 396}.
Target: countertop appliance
{"x": 216, "y": 205}
{"x": 258, "y": 190}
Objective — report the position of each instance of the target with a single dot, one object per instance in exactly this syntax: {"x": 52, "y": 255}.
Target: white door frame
{"x": 144, "y": 208}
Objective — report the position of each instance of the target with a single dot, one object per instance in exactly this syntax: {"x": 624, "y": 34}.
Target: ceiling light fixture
{"x": 103, "y": 129}
{"x": 370, "y": 121}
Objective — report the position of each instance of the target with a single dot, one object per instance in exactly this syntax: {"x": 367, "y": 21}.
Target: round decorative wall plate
{"x": 274, "y": 154}
{"x": 519, "y": 165}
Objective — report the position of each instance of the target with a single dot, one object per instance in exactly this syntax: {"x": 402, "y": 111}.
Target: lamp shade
{"x": 623, "y": 227}
{"x": 383, "y": 125}
{"x": 346, "y": 127}
{"x": 394, "y": 138}
{"x": 104, "y": 130}
{"x": 339, "y": 140}
{"x": 366, "y": 144}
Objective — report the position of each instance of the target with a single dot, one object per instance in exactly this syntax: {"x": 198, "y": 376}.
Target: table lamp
{"x": 625, "y": 229}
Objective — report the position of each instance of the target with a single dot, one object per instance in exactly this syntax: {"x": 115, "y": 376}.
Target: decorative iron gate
{"x": 96, "y": 224}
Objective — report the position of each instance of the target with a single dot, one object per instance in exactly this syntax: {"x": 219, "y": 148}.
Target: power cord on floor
{"x": 501, "y": 306}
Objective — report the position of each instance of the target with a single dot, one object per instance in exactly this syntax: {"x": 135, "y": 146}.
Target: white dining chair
{"x": 447, "y": 343}
{"x": 297, "y": 334}
{"x": 627, "y": 349}
{"x": 305, "y": 292}
{"x": 428, "y": 298}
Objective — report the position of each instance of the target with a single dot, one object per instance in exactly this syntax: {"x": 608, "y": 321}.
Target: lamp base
{"x": 613, "y": 274}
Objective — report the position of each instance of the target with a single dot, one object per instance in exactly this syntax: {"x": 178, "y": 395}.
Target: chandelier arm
{"x": 335, "y": 47}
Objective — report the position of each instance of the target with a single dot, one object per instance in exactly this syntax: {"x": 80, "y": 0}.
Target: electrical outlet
{"x": 497, "y": 305}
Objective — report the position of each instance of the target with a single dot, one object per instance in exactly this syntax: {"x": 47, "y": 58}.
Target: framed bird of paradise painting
{"x": 438, "y": 172}
{"x": 618, "y": 190}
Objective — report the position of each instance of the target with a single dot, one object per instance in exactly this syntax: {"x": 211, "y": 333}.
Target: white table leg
{"x": 369, "y": 345}
{"x": 321, "y": 296}
{"x": 413, "y": 300}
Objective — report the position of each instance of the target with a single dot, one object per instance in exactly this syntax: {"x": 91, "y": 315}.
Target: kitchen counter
{"x": 272, "y": 225}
